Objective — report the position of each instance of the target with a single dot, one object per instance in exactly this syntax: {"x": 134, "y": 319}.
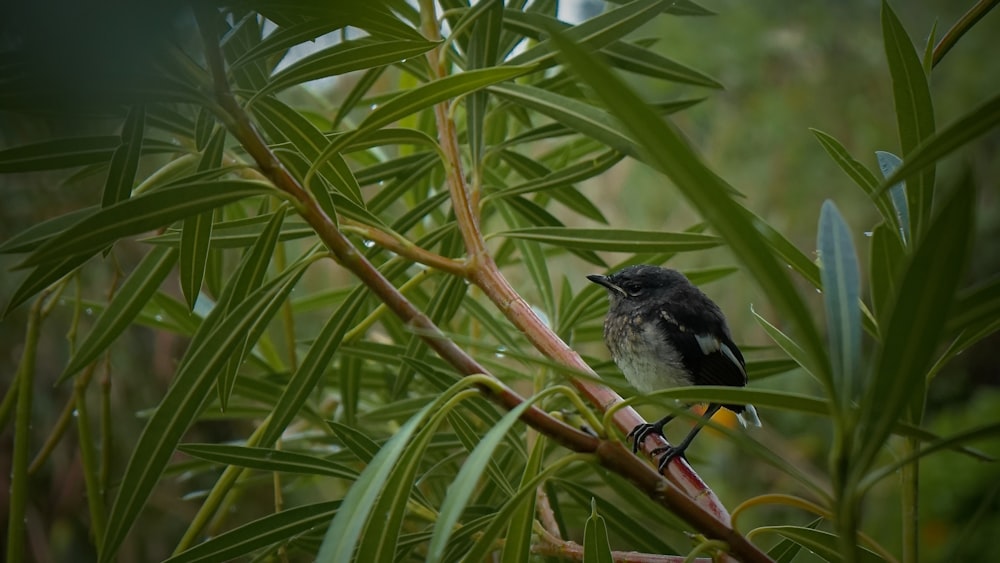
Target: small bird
{"x": 663, "y": 332}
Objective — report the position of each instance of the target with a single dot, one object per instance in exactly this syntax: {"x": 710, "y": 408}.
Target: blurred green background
{"x": 787, "y": 67}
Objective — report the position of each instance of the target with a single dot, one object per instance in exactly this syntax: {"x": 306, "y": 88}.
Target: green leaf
{"x": 483, "y": 52}
{"x": 71, "y": 152}
{"x": 615, "y": 240}
{"x": 575, "y": 114}
{"x": 565, "y": 176}
{"x": 30, "y": 238}
{"x": 143, "y": 213}
{"x": 283, "y": 122}
{"x": 195, "y": 238}
{"x": 842, "y": 297}
{"x": 705, "y": 190}
{"x": 596, "y": 32}
{"x": 885, "y": 258}
{"x": 344, "y": 57}
{"x": 963, "y": 130}
{"x": 125, "y": 160}
{"x": 596, "y": 546}
{"x": 914, "y": 112}
{"x": 349, "y": 527}
{"x": 460, "y": 490}
{"x": 859, "y": 173}
{"x": 286, "y": 37}
{"x": 887, "y": 162}
{"x": 268, "y": 459}
{"x": 418, "y": 98}
{"x": 183, "y": 402}
{"x": 517, "y": 543}
{"x": 128, "y": 301}
{"x": 823, "y": 544}
{"x": 269, "y": 530}
{"x": 534, "y": 261}
{"x": 43, "y": 276}
{"x": 915, "y": 324}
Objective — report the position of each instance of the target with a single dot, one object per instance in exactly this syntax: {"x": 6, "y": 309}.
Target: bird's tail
{"x": 749, "y": 417}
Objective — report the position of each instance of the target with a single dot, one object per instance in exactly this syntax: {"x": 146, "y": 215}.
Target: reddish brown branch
{"x": 705, "y": 514}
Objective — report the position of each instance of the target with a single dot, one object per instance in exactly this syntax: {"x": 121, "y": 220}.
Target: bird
{"x": 663, "y": 332}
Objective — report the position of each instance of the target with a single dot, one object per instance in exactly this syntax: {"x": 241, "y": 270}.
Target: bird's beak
{"x": 606, "y": 282}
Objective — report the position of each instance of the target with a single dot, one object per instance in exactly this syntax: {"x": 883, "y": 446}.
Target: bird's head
{"x": 640, "y": 282}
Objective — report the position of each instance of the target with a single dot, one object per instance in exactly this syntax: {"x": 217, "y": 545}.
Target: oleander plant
{"x": 309, "y": 287}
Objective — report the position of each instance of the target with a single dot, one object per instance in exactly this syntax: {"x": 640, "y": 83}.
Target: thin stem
{"x": 16, "y": 525}
{"x": 90, "y": 461}
{"x": 910, "y": 495}
{"x": 963, "y": 25}
{"x": 405, "y": 248}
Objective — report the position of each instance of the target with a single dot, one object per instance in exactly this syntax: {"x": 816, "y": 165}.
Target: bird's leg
{"x": 641, "y": 431}
{"x": 668, "y": 453}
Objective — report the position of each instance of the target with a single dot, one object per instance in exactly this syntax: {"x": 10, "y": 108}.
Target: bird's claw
{"x": 666, "y": 454}
{"x": 640, "y": 432}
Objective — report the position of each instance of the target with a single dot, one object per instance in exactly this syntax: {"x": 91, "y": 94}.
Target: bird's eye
{"x": 633, "y": 289}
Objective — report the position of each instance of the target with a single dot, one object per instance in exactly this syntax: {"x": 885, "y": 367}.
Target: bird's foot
{"x": 666, "y": 454}
{"x": 641, "y": 432}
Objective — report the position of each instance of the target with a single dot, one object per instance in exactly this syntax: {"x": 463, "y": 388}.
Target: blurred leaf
{"x": 841, "y": 297}
{"x": 885, "y": 258}
{"x": 914, "y": 325}
{"x": 963, "y": 130}
{"x": 42, "y": 277}
{"x": 461, "y": 489}
{"x": 344, "y": 57}
{"x": 823, "y": 544}
{"x": 130, "y": 298}
{"x": 575, "y": 114}
{"x": 706, "y": 191}
{"x": 594, "y": 33}
{"x": 620, "y": 54}
{"x": 269, "y": 530}
{"x": 285, "y": 37}
{"x": 183, "y": 401}
{"x": 571, "y": 174}
{"x": 888, "y": 162}
{"x": 74, "y": 151}
{"x": 363, "y": 447}
{"x": 625, "y": 525}
{"x": 787, "y": 550}
{"x": 30, "y": 238}
{"x": 914, "y": 113}
{"x": 142, "y": 213}
{"x": 357, "y": 93}
{"x": 596, "y": 547}
{"x": 125, "y": 160}
{"x": 517, "y": 543}
{"x": 410, "y": 101}
{"x": 615, "y": 240}
{"x": 268, "y": 459}
{"x": 974, "y": 307}
{"x": 859, "y": 173}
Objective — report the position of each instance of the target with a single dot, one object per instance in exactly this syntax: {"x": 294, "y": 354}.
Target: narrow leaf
{"x": 841, "y": 296}
{"x": 460, "y": 491}
{"x": 914, "y": 112}
{"x": 616, "y": 240}
{"x": 131, "y": 297}
{"x": 125, "y": 160}
{"x": 143, "y": 213}
{"x": 596, "y": 547}
{"x": 268, "y": 459}
{"x": 927, "y": 288}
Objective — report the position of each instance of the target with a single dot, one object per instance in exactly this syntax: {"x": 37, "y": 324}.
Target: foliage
{"x": 374, "y": 416}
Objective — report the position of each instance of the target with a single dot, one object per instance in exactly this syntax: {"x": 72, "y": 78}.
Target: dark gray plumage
{"x": 663, "y": 332}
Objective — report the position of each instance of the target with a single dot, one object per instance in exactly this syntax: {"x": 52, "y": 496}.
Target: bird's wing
{"x": 707, "y": 352}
